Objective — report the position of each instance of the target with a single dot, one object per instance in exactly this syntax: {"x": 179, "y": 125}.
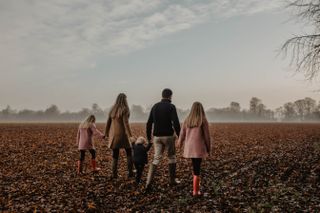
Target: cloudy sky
{"x": 78, "y": 52}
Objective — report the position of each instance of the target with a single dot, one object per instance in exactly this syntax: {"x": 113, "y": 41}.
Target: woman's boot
{"x": 114, "y": 168}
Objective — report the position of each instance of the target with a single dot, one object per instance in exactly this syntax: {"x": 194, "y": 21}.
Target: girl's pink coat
{"x": 196, "y": 141}
{"x": 85, "y": 137}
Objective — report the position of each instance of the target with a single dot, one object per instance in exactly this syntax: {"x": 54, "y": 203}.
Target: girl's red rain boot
{"x": 94, "y": 166}
{"x": 198, "y": 182}
{"x": 196, "y": 185}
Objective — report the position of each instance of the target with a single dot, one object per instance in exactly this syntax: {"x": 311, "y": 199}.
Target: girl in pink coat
{"x": 195, "y": 140}
{"x": 87, "y": 129}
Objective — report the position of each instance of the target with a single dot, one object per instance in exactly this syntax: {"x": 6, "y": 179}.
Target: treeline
{"x": 303, "y": 110}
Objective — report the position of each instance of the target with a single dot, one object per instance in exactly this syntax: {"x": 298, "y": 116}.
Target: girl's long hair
{"x": 196, "y": 116}
{"x": 91, "y": 119}
{"x": 120, "y": 108}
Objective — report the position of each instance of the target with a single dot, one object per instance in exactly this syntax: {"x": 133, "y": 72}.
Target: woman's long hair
{"x": 120, "y": 108}
{"x": 196, "y": 116}
{"x": 91, "y": 119}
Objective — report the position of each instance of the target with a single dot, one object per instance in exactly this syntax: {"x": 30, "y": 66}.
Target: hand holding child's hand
{"x": 179, "y": 144}
{"x": 132, "y": 139}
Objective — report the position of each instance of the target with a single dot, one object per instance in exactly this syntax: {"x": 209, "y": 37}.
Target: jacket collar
{"x": 166, "y": 100}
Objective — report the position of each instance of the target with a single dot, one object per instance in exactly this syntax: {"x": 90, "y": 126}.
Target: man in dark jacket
{"x": 165, "y": 122}
{"x": 140, "y": 156}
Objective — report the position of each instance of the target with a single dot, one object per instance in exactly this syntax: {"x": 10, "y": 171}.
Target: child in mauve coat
{"x": 140, "y": 156}
{"x": 87, "y": 129}
{"x": 195, "y": 139}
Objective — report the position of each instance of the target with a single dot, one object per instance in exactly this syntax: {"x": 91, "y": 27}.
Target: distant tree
{"x": 137, "y": 113}
{"x": 289, "y": 111}
{"x": 261, "y": 109}
{"x": 95, "y": 108}
{"x": 310, "y": 106}
{"x": 300, "y": 108}
{"x": 254, "y": 105}
{"x": 26, "y": 114}
{"x": 53, "y": 110}
{"x": 235, "y": 107}
{"x": 279, "y": 113}
{"x": 84, "y": 113}
{"x": 7, "y": 111}
{"x": 98, "y": 112}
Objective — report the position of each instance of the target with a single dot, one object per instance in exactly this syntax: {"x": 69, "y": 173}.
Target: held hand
{"x": 132, "y": 139}
{"x": 179, "y": 144}
{"x": 149, "y": 145}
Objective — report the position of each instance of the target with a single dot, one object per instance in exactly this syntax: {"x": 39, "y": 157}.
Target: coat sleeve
{"x": 108, "y": 125}
{"x": 149, "y": 125}
{"x": 96, "y": 131}
{"x": 182, "y": 135}
{"x": 78, "y": 137}
{"x": 206, "y": 133}
{"x": 175, "y": 120}
{"x": 126, "y": 125}
{"x": 148, "y": 147}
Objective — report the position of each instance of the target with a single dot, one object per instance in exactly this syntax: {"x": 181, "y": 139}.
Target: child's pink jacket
{"x": 85, "y": 137}
{"x": 196, "y": 141}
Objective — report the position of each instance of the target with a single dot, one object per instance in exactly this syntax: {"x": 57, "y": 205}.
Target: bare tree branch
{"x": 305, "y": 49}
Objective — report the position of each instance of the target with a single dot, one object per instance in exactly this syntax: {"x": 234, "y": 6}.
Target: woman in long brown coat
{"x": 119, "y": 134}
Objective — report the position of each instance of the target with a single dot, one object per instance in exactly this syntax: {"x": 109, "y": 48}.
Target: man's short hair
{"x": 166, "y": 93}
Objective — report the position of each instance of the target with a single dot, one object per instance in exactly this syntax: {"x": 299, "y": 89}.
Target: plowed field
{"x": 253, "y": 167}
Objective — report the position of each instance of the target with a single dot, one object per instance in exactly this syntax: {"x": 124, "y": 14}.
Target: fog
{"x": 302, "y": 110}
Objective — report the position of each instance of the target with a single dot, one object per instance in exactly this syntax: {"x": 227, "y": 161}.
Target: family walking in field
{"x": 163, "y": 129}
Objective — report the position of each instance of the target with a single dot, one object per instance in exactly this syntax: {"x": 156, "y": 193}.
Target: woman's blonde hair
{"x": 196, "y": 116}
{"x": 91, "y": 119}
{"x": 120, "y": 108}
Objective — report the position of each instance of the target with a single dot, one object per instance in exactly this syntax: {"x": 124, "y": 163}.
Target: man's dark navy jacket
{"x": 164, "y": 118}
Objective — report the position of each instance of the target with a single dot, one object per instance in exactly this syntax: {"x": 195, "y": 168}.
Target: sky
{"x": 75, "y": 53}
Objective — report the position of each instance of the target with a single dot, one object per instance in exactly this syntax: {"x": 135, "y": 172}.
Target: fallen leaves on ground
{"x": 253, "y": 167}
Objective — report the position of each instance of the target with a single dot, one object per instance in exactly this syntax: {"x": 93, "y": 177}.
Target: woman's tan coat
{"x": 118, "y": 132}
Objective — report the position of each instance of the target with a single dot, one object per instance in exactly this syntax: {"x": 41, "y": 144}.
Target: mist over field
{"x": 302, "y": 110}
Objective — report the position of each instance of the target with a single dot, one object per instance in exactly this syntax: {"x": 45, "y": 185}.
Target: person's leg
{"x": 82, "y": 155}
{"x": 115, "y": 157}
{"x": 93, "y": 153}
{"x": 136, "y": 165}
{"x": 170, "y": 143}
{"x": 129, "y": 162}
{"x": 93, "y": 160}
{"x": 80, "y": 162}
{"x": 196, "y": 164}
{"x": 158, "y": 152}
{"x": 159, "y": 147}
{"x": 139, "y": 168}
